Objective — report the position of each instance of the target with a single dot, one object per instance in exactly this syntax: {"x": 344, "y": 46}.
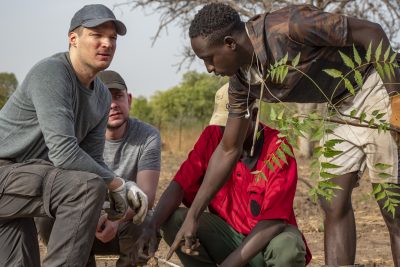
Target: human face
{"x": 95, "y": 47}
{"x": 120, "y": 106}
{"x": 219, "y": 58}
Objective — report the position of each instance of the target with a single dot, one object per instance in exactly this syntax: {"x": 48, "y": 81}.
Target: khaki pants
{"x": 218, "y": 240}
{"x": 37, "y": 188}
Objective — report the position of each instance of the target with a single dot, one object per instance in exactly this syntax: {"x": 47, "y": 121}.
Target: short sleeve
{"x": 239, "y": 97}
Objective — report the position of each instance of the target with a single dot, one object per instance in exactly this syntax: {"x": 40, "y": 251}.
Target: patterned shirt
{"x": 318, "y": 36}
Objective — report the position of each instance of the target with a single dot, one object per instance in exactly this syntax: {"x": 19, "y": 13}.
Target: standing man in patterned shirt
{"x": 245, "y": 52}
{"x": 133, "y": 151}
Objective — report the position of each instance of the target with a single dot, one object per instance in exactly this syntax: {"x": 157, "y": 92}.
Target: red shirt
{"x": 244, "y": 200}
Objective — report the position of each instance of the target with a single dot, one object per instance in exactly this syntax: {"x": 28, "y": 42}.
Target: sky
{"x": 33, "y": 30}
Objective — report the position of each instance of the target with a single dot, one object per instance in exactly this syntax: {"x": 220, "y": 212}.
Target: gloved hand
{"x": 118, "y": 202}
{"x": 395, "y": 106}
{"x": 138, "y": 202}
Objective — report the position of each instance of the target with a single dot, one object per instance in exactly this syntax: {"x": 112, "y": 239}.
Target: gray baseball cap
{"x": 112, "y": 80}
{"x": 91, "y": 16}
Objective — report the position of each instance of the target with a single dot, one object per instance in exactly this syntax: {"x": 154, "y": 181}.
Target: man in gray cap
{"x": 133, "y": 151}
{"x": 52, "y": 138}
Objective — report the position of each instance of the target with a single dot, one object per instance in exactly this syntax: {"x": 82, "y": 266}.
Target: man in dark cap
{"x": 52, "y": 138}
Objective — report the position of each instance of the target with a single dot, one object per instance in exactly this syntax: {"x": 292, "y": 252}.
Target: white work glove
{"x": 118, "y": 202}
{"x": 138, "y": 202}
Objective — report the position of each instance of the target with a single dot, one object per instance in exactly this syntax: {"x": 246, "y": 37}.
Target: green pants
{"x": 218, "y": 240}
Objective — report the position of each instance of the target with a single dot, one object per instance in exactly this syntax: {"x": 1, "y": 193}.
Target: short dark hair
{"x": 215, "y": 21}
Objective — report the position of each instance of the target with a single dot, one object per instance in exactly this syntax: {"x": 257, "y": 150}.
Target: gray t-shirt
{"x": 138, "y": 150}
{"x": 52, "y": 116}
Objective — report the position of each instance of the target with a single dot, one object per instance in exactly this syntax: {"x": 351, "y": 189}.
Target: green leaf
{"x": 386, "y": 68}
{"x": 327, "y": 175}
{"x": 382, "y": 166}
{"x": 375, "y": 112}
{"x": 392, "y": 70}
{"x": 276, "y": 161}
{"x": 358, "y": 78}
{"x": 327, "y": 165}
{"x": 332, "y": 142}
{"x": 386, "y": 55}
{"x": 357, "y": 57}
{"x": 287, "y": 149}
{"x": 371, "y": 122}
{"x": 368, "y": 54}
{"x": 285, "y": 58}
{"x": 353, "y": 112}
{"x": 281, "y": 155}
{"x": 333, "y": 73}
{"x": 380, "y": 196}
{"x": 378, "y": 51}
{"x": 295, "y": 61}
{"x": 255, "y": 172}
{"x": 284, "y": 73}
{"x": 380, "y": 115}
{"x": 347, "y": 60}
{"x": 318, "y": 134}
{"x": 330, "y": 153}
{"x": 393, "y": 57}
{"x": 272, "y": 115}
{"x": 263, "y": 176}
{"x": 392, "y": 194}
{"x": 362, "y": 117}
{"x": 384, "y": 175}
{"x": 377, "y": 189}
{"x": 349, "y": 86}
{"x": 280, "y": 115}
{"x": 270, "y": 166}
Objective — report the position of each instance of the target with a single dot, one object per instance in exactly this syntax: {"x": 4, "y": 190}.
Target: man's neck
{"x": 116, "y": 133}
{"x": 247, "y": 49}
{"x": 84, "y": 74}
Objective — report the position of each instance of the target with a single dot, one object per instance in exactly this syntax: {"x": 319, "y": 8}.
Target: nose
{"x": 210, "y": 68}
{"x": 108, "y": 42}
{"x": 113, "y": 105}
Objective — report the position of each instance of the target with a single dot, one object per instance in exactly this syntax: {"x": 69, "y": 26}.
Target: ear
{"x": 72, "y": 37}
{"x": 230, "y": 42}
{"x": 129, "y": 100}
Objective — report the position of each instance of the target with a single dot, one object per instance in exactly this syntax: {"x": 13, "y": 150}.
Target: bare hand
{"x": 186, "y": 239}
{"x": 148, "y": 242}
{"x": 106, "y": 229}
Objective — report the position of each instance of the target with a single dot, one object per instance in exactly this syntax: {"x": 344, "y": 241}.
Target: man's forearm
{"x": 256, "y": 241}
{"x": 168, "y": 203}
{"x": 218, "y": 172}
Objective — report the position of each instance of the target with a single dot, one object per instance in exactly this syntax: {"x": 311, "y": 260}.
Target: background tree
{"x": 8, "y": 84}
{"x": 181, "y": 12}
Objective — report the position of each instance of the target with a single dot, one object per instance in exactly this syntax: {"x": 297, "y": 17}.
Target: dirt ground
{"x": 373, "y": 247}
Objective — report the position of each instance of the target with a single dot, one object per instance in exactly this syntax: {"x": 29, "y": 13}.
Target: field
{"x": 373, "y": 247}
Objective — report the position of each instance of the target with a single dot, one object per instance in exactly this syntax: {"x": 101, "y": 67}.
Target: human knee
{"x": 287, "y": 250}
{"x": 336, "y": 208}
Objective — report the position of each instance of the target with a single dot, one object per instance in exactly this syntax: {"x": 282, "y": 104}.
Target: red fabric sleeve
{"x": 190, "y": 174}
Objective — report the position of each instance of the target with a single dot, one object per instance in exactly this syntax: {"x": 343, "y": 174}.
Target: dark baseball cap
{"x": 112, "y": 80}
{"x": 91, "y": 16}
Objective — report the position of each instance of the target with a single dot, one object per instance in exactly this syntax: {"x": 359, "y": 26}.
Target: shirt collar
{"x": 255, "y": 30}
{"x": 251, "y": 162}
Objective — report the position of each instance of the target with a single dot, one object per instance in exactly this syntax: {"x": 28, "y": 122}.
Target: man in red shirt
{"x": 251, "y": 219}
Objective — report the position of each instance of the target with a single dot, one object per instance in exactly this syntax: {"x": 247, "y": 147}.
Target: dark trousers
{"x": 37, "y": 188}
{"x": 218, "y": 239}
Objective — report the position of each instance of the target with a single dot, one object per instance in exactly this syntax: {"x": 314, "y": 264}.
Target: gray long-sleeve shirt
{"x": 53, "y": 116}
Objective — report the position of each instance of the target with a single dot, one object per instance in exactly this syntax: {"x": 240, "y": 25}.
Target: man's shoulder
{"x": 143, "y": 127}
